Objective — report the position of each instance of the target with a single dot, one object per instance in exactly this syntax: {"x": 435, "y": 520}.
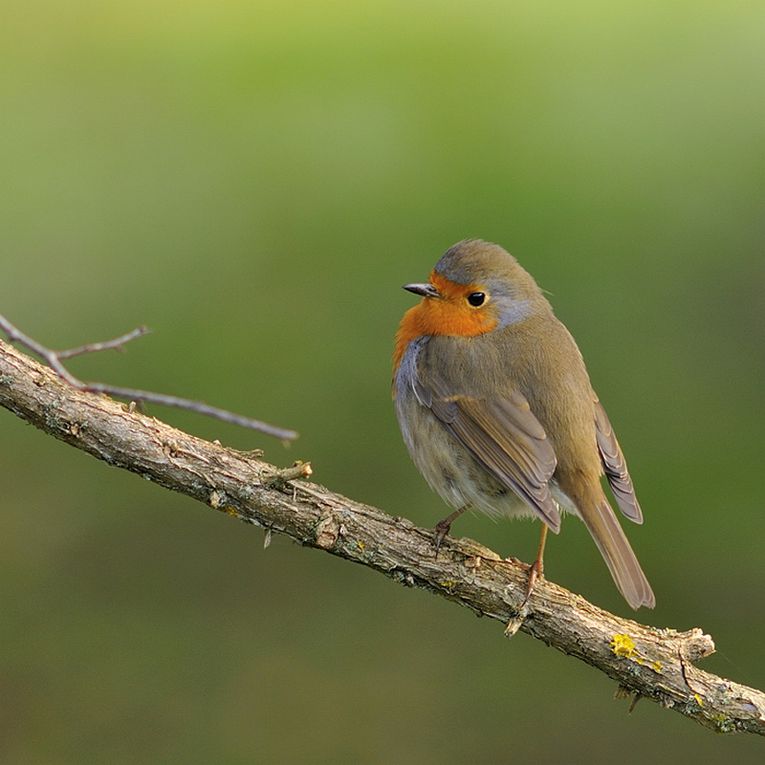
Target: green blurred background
{"x": 255, "y": 181}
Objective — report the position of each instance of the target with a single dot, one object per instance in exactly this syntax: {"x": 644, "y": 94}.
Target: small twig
{"x": 53, "y": 360}
{"x": 278, "y": 478}
{"x": 117, "y": 344}
{"x": 192, "y": 406}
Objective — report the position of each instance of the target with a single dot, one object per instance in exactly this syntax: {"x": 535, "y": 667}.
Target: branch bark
{"x": 643, "y": 660}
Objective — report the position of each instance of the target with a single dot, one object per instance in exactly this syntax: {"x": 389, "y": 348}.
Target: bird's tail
{"x": 617, "y": 552}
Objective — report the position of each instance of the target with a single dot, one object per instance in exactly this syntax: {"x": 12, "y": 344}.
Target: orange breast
{"x": 446, "y": 316}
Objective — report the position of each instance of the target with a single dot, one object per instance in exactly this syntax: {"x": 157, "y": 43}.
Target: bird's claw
{"x": 439, "y": 533}
{"x": 536, "y": 571}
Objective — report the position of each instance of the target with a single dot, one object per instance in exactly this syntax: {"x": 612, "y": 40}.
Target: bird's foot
{"x": 439, "y": 533}
{"x": 536, "y": 571}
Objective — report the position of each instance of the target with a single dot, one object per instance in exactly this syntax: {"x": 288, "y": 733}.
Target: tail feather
{"x": 604, "y": 528}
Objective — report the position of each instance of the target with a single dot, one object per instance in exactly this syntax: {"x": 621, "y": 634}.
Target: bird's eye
{"x": 476, "y": 299}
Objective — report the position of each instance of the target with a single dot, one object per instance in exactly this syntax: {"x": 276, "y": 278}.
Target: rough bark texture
{"x": 645, "y": 661}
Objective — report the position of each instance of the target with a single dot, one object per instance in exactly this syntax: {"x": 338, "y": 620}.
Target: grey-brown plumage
{"x": 497, "y": 410}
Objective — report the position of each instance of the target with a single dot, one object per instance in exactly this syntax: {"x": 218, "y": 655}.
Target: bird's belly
{"x": 449, "y": 468}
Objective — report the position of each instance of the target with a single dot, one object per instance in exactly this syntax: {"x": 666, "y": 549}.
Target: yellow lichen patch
{"x": 623, "y": 646}
{"x": 229, "y": 510}
{"x": 698, "y": 699}
{"x": 361, "y": 545}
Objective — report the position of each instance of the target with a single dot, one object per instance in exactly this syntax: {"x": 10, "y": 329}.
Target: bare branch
{"x": 118, "y": 343}
{"x": 192, "y": 406}
{"x": 53, "y": 359}
{"x": 644, "y": 661}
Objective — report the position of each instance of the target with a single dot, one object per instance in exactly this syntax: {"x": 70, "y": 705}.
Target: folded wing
{"x": 615, "y": 466}
{"x": 505, "y": 437}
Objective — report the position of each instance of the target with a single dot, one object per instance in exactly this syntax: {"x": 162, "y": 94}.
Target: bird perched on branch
{"x": 497, "y": 410}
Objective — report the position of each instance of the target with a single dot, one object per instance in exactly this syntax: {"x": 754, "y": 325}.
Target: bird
{"x": 497, "y": 411}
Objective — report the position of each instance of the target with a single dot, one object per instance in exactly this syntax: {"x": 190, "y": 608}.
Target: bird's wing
{"x": 505, "y": 437}
{"x": 615, "y": 466}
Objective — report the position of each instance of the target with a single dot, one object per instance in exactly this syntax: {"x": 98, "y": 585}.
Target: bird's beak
{"x": 426, "y": 290}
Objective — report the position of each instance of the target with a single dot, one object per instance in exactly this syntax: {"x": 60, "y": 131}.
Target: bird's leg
{"x": 536, "y": 569}
{"x": 443, "y": 526}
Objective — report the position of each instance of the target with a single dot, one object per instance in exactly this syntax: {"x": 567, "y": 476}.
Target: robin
{"x": 497, "y": 410}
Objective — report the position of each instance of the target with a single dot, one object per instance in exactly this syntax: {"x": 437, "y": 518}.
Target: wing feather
{"x": 615, "y": 466}
{"x": 505, "y": 437}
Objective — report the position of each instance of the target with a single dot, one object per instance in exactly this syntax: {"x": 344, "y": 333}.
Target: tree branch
{"x": 644, "y": 661}
{"x": 54, "y": 360}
